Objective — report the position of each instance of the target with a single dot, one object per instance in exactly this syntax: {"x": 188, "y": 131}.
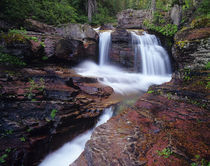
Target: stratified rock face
{"x": 37, "y": 26}
{"x": 107, "y": 27}
{"x": 122, "y": 52}
{"x": 44, "y": 107}
{"x": 155, "y": 131}
{"x": 132, "y": 19}
{"x": 77, "y": 32}
{"x": 191, "y": 48}
{"x": 69, "y": 43}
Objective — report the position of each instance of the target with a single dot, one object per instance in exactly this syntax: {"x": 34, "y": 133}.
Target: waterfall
{"x": 70, "y": 151}
{"x": 151, "y": 63}
{"x": 104, "y": 47}
{"x": 150, "y": 57}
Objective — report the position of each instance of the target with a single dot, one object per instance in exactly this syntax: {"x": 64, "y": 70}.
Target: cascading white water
{"x": 69, "y": 152}
{"x": 104, "y": 47}
{"x": 153, "y": 58}
{"x": 156, "y": 71}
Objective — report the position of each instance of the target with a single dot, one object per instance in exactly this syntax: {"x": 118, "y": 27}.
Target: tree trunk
{"x": 91, "y": 8}
{"x": 153, "y": 6}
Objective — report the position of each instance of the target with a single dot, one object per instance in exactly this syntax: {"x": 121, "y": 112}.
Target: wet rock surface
{"x": 167, "y": 126}
{"x": 122, "y": 53}
{"x": 154, "y": 131}
{"x": 44, "y": 107}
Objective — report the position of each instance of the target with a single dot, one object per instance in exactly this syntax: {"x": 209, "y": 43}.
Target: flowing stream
{"x": 70, "y": 151}
{"x": 152, "y": 66}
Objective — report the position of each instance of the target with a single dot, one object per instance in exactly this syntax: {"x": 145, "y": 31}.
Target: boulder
{"x": 133, "y": 19}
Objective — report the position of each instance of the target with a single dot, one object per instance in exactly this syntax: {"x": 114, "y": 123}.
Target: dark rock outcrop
{"x": 107, "y": 27}
{"x": 191, "y": 48}
{"x": 44, "y": 107}
{"x": 133, "y": 19}
{"x": 36, "y": 26}
{"x": 122, "y": 53}
{"x": 69, "y": 43}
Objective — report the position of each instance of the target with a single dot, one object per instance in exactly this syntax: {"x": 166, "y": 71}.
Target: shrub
{"x": 167, "y": 30}
{"x": 51, "y": 12}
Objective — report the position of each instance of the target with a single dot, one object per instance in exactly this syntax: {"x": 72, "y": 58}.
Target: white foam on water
{"x": 150, "y": 56}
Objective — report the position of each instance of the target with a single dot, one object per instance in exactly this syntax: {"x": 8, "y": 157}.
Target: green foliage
{"x": 102, "y": 17}
{"x": 3, "y": 157}
{"x": 51, "y": 12}
{"x": 53, "y": 113}
{"x": 21, "y": 35}
{"x": 22, "y": 139}
{"x": 158, "y": 18}
{"x": 204, "y": 8}
{"x": 200, "y": 22}
{"x": 199, "y": 161}
{"x": 11, "y": 60}
{"x": 187, "y": 76}
{"x": 166, "y": 152}
{"x": 150, "y": 91}
{"x": 8, "y": 150}
{"x": 6, "y": 133}
{"x": 39, "y": 86}
{"x": 207, "y": 66}
{"x": 44, "y": 58}
{"x": 54, "y": 12}
{"x": 167, "y": 30}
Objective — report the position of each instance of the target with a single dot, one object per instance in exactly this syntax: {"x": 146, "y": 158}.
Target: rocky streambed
{"x": 44, "y": 107}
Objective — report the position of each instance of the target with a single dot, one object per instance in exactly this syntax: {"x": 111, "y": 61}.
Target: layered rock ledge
{"x": 155, "y": 131}
{"x": 44, "y": 107}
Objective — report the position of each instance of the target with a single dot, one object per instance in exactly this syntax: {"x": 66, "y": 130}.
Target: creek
{"x": 152, "y": 66}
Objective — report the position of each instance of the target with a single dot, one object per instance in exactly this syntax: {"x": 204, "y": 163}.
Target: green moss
{"x": 150, "y": 91}
{"x": 6, "y": 59}
{"x": 53, "y": 113}
{"x": 182, "y": 44}
{"x": 200, "y": 22}
{"x": 35, "y": 85}
{"x": 207, "y": 66}
{"x": 166, "y": 152}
